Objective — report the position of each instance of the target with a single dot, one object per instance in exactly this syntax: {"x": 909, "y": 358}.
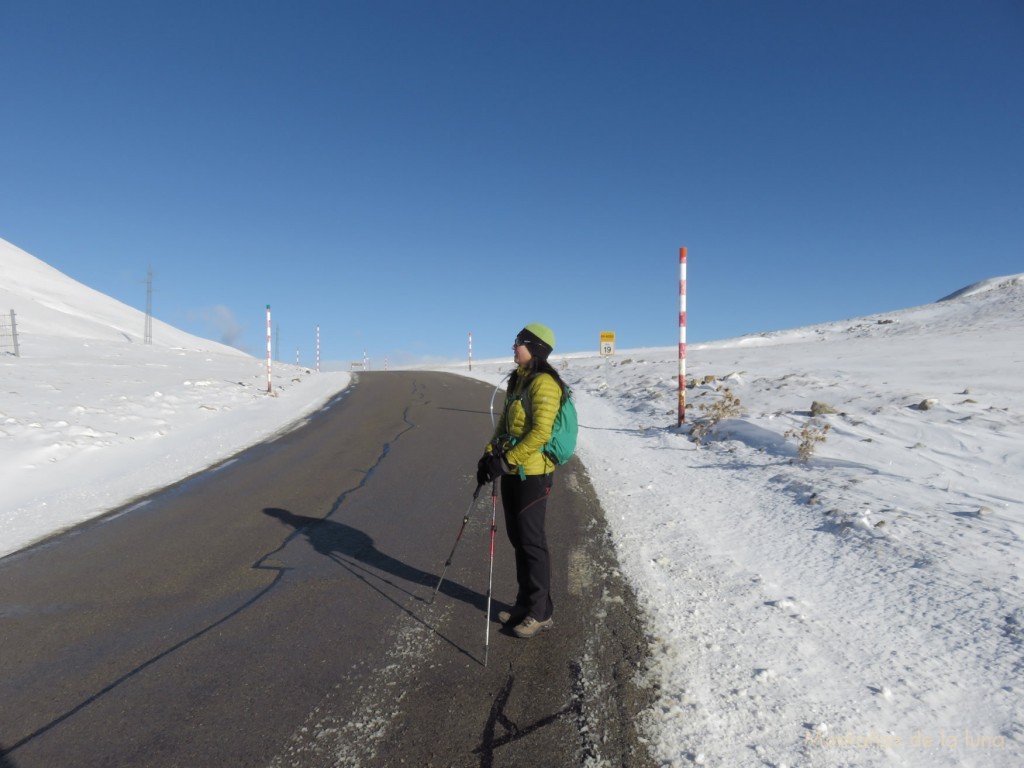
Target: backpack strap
{"x": 523, "y": 397}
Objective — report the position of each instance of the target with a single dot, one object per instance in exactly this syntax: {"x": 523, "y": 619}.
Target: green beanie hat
{"x": 535, "y": 332}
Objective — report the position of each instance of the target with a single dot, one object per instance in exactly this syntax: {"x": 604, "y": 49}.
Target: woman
{"x": 515, "y": 454}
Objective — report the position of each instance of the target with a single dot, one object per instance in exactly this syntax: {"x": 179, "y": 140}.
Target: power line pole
{"x": 148, "y": 335}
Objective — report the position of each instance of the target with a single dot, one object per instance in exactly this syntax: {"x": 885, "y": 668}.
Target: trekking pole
{"x": 465, "y": 519}
{"x": 490, "y": 577}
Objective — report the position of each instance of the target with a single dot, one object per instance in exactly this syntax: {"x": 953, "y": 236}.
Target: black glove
{"x": 490, "y": 466}
{"x": 482, "y": 477}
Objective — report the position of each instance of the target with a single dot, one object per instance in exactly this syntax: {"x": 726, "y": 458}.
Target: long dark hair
{"x": 535, "y": 366}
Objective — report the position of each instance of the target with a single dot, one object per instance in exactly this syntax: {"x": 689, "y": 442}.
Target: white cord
{"x": 494, "y": 423}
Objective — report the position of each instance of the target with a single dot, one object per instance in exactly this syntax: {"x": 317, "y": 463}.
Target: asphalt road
{"x": 276, "y": 611}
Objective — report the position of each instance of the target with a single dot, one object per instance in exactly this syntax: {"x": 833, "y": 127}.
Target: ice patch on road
{"x": 352, "y": 739}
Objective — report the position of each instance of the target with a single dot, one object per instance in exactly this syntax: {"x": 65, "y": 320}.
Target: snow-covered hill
{"x": 91, "y": 417}
{"x": 50, "y": 305}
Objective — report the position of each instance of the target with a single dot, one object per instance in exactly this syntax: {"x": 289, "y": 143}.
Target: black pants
{"x": 525, "y": 503}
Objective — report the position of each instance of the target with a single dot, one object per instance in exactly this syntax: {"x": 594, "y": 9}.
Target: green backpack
{"x": 563, "y": 432}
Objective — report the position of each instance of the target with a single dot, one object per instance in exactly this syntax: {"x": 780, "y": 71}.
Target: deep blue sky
{"x": 403, "y": 173}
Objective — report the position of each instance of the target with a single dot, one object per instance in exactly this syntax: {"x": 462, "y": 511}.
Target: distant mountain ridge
{"x": 994, "y": 283}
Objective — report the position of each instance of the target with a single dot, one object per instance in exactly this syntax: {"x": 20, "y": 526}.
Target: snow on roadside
{"x": 113, "y": 421}
{"x": 864, "y": 608}
{"x": 91, "y": 417}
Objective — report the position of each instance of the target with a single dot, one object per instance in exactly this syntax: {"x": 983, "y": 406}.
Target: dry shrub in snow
{"x": 726, "y": 407}
{"x": 808, "y": 438}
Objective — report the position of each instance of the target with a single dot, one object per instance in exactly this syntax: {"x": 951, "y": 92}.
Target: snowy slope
{"x": 49, "y": 304}
{"x": 862, "y": 609}
{"x": 91, "y": 417}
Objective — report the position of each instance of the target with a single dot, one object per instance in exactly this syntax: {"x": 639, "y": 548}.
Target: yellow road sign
{"x": 607, "y": 343}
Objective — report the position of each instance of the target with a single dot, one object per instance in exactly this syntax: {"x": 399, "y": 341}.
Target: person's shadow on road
{"x": 356, "y": 551}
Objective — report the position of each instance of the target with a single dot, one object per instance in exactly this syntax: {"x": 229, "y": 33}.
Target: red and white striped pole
{"x": 682, "y": 337}
{"x": 318, "y": 349}
{"x": 471, "y": 350}
{"x": 270, "y": 386}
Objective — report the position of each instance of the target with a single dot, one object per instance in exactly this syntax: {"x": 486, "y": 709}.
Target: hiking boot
{"x": 531, "y": 627}
{"x": 514, "y": 616}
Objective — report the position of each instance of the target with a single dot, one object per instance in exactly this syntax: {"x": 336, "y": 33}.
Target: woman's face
{"x": 522, "y": 356}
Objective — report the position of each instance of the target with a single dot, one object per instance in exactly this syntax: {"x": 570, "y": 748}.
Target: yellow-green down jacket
{"x": 528, "y": 436}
